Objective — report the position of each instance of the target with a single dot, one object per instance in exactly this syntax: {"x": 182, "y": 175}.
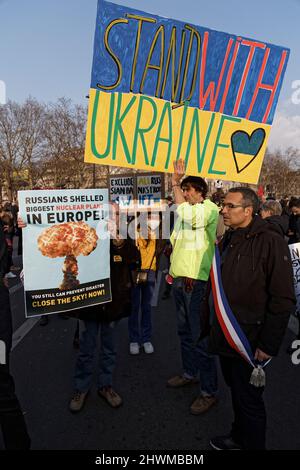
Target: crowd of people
{"x": 8, "y": 220}
{"x": 230, "y": 274}
{"x": 14, "y": 430}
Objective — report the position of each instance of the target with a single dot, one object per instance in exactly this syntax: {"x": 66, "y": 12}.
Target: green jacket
{"x": 193, "y": 240}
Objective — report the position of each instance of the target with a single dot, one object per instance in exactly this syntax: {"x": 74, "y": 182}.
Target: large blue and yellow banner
{"x": 162, "y": 89}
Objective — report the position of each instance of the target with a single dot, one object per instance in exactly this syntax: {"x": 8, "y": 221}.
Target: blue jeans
{"x": 85, "y": 362}
{"x": 141, "y": 297}
{"x": 195, "y": 357}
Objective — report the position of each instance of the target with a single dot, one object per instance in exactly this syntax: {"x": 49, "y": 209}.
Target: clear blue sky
{"x": 46, "y": 46}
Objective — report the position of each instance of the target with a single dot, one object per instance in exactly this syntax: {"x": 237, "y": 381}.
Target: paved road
{"x": 152, "y": 416}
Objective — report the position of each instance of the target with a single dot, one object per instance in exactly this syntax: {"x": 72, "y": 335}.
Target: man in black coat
{"x": 294, "y": 232}
{"x": 12, "y": 422}
{"x": 257, "y": 278}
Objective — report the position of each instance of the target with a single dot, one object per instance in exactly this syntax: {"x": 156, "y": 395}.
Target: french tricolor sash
{"x": 232, "y": 331}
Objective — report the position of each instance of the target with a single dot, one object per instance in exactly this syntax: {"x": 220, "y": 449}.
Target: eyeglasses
{"x": 230, "y": 206}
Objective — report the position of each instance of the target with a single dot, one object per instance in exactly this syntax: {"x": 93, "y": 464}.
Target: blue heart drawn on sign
{"x": 246, "y": 147}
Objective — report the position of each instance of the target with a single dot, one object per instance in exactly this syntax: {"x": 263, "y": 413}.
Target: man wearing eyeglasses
{"x": 256, "y": 274}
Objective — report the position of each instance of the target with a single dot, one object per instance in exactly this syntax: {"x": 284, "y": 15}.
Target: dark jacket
{"x": 4, "y": 268}
{"x": 122, "y": 260}
{"x": 258, "y": 282}
{"x": 5, "y": 313}
{"x": 281, "y": 222}
{"x": 294, "y": 227}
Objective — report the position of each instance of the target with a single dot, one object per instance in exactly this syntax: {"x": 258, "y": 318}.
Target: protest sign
{"x": 162, "y": 89}
{"x": 66, "y": 249}
{"x": 121, "y": 189}
{"x": 149, "y": 189}
{"x": 295, "y": 255}
{"x": 144, "y": 190}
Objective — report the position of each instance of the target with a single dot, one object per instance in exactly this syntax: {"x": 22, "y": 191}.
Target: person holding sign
{"x": 15, "y": 435}
{"x": 253, "y": 294}
{"x": 193, "y": 241}
{"x": 103, "y": 318}
{"x": 150, "y": 247}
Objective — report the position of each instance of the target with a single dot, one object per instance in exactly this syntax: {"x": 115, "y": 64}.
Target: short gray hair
{"x": 272, "y": 206}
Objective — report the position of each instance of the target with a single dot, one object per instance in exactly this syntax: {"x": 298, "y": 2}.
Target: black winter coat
{"x": 4, "y": 268}
{"x": 294, "y": 227}
{"x": 281, "y": 221}
{"x": 258, "y": 282}
{"x": 5, "y": 313}
{"x": 122, "y": 260}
